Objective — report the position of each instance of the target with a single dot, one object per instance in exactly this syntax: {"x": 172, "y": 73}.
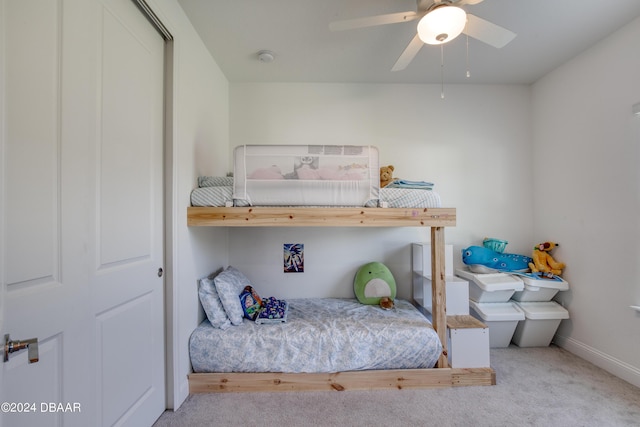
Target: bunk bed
{"x": 435, "y": 218}
{"x": 327, "y": 186}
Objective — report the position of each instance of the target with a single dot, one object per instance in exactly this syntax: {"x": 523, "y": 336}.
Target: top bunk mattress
{"x": 306, "y": 175}
{"x": 218, "y": 192}
{"x": 220, "y": 196}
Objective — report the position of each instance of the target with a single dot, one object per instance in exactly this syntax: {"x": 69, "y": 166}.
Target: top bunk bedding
{"x": 220, "y": 196}
{"x": 308, "y": 175}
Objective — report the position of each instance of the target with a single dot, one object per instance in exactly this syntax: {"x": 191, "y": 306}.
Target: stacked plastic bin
{"x": 516, "y": 308}
{"x": 542, "y": 315}
{"x": 490, "y": 301}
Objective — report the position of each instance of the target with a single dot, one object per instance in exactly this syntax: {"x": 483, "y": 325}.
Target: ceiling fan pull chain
{"x": 441, "y": 71}
{"x": 468, "y": 72}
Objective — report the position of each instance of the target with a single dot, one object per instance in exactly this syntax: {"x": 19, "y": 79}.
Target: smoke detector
{"x": 266, "y": 56}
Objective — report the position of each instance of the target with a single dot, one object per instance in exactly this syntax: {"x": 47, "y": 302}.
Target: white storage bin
{"x": 421, "y": 260}
{"x": 501, "y": 318}
{"x": 456, "y": 293}
{"x": 490, "y": 287}
{"x": 540, "y": 325}
{"x": 540, "y": 289}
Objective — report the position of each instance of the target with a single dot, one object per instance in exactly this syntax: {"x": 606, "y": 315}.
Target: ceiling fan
{"x": 440, "y": 21}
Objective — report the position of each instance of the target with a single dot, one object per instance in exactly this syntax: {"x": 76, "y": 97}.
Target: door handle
{"x": 11, "y": 346}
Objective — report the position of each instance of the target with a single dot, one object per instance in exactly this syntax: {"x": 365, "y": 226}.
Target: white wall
{"x": 586, "y": 194}
{"x": 474, "y": 145}
{"x": 200, "y": 147}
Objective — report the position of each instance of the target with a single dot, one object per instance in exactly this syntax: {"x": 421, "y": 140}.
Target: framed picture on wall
{"x": 293, "y": 258}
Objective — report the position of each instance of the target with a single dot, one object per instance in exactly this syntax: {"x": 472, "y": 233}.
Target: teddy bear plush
{"x": 543, "y": 261}
{"x": 386, "y": 175}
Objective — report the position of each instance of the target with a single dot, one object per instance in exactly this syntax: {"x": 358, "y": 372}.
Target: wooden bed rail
{"x": 341, "y": 381}
{"x": 320, "y": 217}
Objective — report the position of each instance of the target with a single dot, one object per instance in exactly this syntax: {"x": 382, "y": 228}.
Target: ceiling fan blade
{"x": 408, "y": 54}
{"x": 466, "y": 2}
{"x": 487, "y": 32}
{"x": 371, "y": 21}
{"x": 427, "y": 4}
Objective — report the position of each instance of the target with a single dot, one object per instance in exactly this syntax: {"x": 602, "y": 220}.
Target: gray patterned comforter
{"x": 320, "y": 335}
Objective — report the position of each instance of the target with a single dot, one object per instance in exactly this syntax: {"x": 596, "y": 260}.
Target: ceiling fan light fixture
{"x": 442, "y": 24}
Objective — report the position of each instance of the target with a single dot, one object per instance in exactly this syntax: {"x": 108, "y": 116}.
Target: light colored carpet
{"x": 536, "y": 387}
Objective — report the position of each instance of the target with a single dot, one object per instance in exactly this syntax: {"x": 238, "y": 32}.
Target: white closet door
{"x": 81, "y": 236}
{"x": 128, "y": 287}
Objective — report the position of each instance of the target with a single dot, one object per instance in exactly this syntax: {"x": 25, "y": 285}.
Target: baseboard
{"x": 620, "y": 369}
{"x": 183, "y": 391}
{"x": 178, "y": 395}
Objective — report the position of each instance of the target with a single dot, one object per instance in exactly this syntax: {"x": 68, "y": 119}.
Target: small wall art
{"x": 293, "y": 258}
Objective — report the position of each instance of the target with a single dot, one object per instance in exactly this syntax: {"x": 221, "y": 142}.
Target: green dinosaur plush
{"x": 374, "y": 281}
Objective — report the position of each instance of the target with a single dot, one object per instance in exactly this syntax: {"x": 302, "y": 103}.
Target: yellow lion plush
{"x": 386, "y": 175}
{"x": 543, "y": 261}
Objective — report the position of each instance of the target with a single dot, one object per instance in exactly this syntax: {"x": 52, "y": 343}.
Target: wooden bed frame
{"x": 435, "y": 218}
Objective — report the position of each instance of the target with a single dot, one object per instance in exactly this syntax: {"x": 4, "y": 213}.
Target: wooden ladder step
{"x": 464, "y": 322}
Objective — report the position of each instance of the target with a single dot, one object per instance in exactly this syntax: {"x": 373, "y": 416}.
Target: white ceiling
{"x": 549, "y": 32}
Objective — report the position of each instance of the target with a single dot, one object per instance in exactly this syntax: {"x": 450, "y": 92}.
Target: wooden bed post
{"x": 438, "y": 295}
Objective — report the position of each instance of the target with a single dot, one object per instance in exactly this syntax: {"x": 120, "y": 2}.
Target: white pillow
{"x": 229, "y": 285}
{"x": 211, "y": 303}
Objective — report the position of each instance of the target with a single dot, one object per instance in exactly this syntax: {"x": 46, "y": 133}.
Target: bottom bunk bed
{"x": 433, "y": 370}
{"x": 326, "y": 343}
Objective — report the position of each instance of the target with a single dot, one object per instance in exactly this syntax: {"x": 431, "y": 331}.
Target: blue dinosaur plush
{"x": 478, "y": 255}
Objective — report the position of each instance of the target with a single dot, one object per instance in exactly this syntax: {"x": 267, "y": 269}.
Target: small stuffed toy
{"x": 386, "y": 175}
{"x": 543, "y": 261}
{"x": 251, "y": 302}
